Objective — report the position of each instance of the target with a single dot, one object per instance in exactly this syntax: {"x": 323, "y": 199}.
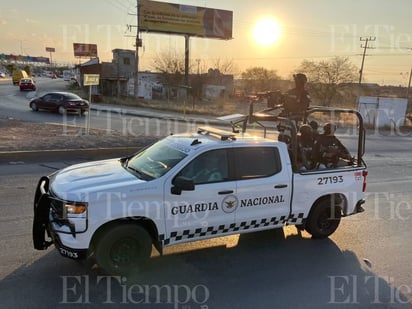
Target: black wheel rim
{"x": 325, "y": 220}
{"x": 124, "y": 252}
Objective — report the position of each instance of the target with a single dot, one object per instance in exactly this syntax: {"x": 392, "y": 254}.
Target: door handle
{"x": 225, "y": 192}
{"x": 281, "y": 186}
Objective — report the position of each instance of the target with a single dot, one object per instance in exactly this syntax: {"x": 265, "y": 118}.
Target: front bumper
{"x": 42, "y": 225}
{"x": 77, "y": 108}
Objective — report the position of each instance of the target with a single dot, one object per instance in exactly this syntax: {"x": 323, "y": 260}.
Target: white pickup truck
{"x": 189, "y": 187}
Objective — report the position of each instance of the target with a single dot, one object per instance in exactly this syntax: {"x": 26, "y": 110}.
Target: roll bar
{"x": 291, "y": 121}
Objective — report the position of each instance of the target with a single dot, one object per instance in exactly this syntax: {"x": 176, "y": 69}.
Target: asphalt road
{"x": 15, "y": 104}
{"x": 364, "y": 264}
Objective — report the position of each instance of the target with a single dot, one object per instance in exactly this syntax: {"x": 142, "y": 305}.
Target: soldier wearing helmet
{"x": 297, "y": 99}
{"x": 305, "y": 142}
{"x": 328, "y": 149}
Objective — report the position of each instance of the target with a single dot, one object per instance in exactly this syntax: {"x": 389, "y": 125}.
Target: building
{"x": 114, "y": 76}
{"x": 117, "y": 79}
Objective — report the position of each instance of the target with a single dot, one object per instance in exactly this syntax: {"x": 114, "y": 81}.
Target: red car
{"x": 61, "y": 102}
{"x": 27, "y": 84}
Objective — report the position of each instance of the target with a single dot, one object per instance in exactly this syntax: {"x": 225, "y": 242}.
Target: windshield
{"x": 156, "y": 160}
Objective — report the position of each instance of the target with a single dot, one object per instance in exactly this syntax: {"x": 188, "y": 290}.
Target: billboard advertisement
{"x": 197, "y": 21}
{"x": 20, "y": 58}
{"x": 85, "y": 50}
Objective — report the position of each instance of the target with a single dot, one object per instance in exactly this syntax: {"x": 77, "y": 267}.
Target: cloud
{"x": 3, "y": 22}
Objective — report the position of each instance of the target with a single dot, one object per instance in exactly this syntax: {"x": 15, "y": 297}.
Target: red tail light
{"x": 364, "y": 174}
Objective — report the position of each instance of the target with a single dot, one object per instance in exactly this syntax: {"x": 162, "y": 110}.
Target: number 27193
{"x": 330, "y": 180}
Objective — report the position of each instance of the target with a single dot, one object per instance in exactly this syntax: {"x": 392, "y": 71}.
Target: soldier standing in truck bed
{"x": 297, "y": 99}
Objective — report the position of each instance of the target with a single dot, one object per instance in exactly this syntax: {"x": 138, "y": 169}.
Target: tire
{"x": 61, "y": 110}
{"x": 123, "y": 249}
{"x": 34, "y": 107}
{"x": 324, "y": 219}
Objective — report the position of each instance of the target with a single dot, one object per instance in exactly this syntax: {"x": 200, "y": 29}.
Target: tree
{"x": 11, "y": 67}
{"x": 225, "y": 66}
{"x": 171, "y": 67}
{"x": 325, "y": 77}
{"x": 258, "y": 79}
{"x": 28, "y": 70}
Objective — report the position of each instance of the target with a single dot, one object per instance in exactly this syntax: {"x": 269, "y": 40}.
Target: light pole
{"x": 51, "y": 50}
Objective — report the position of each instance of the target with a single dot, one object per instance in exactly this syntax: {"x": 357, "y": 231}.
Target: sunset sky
{"x": 313, "y": 30}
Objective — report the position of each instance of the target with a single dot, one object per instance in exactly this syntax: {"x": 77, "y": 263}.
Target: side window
{"x": 256, "y": 162}
{"x": 47, "y": 97}
{"x": 55, "y": 98}
{"x": 208, "y": 167}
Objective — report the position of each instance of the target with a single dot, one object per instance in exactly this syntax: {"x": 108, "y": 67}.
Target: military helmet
{"x": 300, "y": 77}
{"x": 329, "y": 128}
{"x": 305, "y": 129}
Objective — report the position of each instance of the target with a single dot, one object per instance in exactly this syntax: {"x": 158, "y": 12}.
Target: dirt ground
{"x": 18, "y": 135}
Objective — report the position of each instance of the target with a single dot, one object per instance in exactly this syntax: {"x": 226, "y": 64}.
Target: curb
{"x": 22, "y": 157}
{"x": 130, "y": 112}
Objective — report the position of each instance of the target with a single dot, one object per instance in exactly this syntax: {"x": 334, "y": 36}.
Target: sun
{"x": 267, "y": 31}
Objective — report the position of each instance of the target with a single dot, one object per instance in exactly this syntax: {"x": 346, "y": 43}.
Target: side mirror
{"x": 182, "y": 184}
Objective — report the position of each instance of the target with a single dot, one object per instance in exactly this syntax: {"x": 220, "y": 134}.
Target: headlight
{"x": 75, "y": 208}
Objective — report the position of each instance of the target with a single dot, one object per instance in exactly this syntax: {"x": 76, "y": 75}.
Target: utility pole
{"x": 365, "y": 47}
{"x": 409, "y": 85}
{"x": 198, "y": 81}
{"x": 138, "y": 44}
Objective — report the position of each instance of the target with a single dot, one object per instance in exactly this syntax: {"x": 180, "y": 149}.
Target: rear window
{"x": 72, "y": 96}
{"x": 256, "y": 162}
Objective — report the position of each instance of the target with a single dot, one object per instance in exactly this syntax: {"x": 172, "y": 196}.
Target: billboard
{"x": 85, "y": 50}
{"x": 20, "y": 58}
{"x": 198, "y": 21}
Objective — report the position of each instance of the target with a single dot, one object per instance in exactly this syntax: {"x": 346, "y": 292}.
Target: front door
{"x": 209, "y": 209}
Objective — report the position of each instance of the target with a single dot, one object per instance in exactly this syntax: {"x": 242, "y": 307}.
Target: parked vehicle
{"x": 61, "y": 102}
{"x": 67, "y": 75}
{"x": 27, "y": 84}
{"x": 18, "y": 75}
{"x": 190, "y": 187}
